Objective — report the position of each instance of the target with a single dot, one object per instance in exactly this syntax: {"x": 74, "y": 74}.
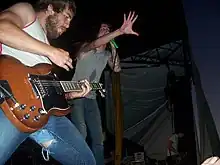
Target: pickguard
{"x": 49, "y": 91}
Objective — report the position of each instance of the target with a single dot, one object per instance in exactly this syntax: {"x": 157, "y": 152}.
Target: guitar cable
{"x": 114, "y": 59}
{"x": 4, "y": 93}
{"x": 2, "y": 96}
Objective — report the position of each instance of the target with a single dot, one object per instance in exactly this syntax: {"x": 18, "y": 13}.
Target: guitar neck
{"x": 71, "y": 86}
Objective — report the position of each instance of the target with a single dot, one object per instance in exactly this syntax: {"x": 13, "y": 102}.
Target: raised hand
{"x": 126, "y": 28}
{"x": 61, "y": 58}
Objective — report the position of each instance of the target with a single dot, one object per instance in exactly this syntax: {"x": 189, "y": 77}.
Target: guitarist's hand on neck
{"x": 86, "y": 88}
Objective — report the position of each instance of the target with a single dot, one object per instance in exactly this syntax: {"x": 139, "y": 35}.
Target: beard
{"x": 52, "y": 27}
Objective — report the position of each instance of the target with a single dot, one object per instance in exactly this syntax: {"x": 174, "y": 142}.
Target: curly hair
{"x": 58, "y": 5}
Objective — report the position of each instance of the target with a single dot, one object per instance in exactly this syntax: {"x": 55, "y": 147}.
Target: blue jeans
{"x": 68, "y": 146}
{"x": 86, "y": 117}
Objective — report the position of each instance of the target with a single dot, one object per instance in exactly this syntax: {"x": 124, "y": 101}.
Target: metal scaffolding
{"x": 168, "y": 54}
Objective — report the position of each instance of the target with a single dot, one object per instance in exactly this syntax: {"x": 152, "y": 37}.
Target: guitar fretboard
{"x": 69, "y": 86}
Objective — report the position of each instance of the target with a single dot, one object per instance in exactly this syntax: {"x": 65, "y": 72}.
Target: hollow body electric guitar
{"x": 35, "y": 95}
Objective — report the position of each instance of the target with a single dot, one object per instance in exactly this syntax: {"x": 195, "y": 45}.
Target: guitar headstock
{"x": 99, "y": 87}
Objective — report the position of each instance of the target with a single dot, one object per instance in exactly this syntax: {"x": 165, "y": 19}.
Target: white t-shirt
{"x": 35, "y": 30}
{"x": 174, "y": 140}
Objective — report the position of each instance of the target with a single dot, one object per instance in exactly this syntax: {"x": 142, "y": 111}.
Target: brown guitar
{"x": 36, "y": 93}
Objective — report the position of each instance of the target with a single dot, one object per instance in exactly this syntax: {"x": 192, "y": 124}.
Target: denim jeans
{"x": 86, "y": 117}
{"x": 68, "y": 146}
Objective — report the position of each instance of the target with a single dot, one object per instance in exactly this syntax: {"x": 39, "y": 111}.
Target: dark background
{"x": 159, "y": 22}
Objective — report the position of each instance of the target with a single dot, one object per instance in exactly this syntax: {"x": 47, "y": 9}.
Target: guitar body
{"x": 36, "y": 100}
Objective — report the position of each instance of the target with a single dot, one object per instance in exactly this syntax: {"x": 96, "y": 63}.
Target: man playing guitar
{"x": 23, "y": 36}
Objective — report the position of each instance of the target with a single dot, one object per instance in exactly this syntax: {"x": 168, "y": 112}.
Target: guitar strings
{"x": 67, "y": 86}
{"x": 73, "y": 84}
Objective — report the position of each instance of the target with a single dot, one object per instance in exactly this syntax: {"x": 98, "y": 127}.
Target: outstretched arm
{"x": 126, "y": 28}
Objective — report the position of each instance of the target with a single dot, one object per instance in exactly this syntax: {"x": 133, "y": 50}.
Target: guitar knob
{"x": 26, "y": 116}
{"x": 22, "y": 106}
{"x": 42, "y": 111}
{"x": 37, "y": 118}
{"x": 32, "y": 108}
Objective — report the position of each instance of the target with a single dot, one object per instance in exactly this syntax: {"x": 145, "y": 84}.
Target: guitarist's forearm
{"x": 13, "y": 36}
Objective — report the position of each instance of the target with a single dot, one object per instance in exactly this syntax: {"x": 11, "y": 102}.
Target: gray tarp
{"x": 146, "y": 119}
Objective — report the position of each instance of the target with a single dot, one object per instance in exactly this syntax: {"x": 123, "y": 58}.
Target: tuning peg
{"x": 102, "y": 92}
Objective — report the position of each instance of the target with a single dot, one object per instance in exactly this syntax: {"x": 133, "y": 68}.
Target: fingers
{"x": 131, "y": 17}
{"x": 132, "y": 21}
{"x": 68, "y": 63}
{"x": 65, "y": 67}
{"x": 135, "y": 33}
{"x": 62, "y": 59}
{"x": 84, "y": 91}
{"x": 87, "y": 84}
{"x": 124, "y": 17}
{"x": 218, "y": 162}
{"x": 86, "y": 88}
{"x": 212, "y": 161}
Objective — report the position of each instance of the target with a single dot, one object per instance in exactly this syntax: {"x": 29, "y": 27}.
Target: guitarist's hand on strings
{"x": 61, "y": 58}
{"x": 86, "y": 88}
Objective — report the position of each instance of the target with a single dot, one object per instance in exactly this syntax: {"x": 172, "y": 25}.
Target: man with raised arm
{"x": 91, "y": 61}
